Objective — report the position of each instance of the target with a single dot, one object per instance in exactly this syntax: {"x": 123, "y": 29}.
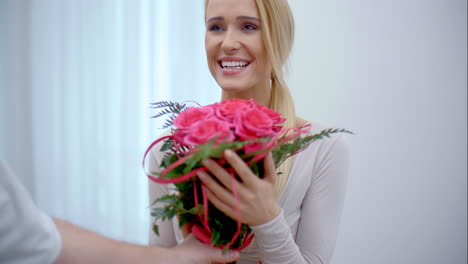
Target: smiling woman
{"x": 294, "y": 212}
{"x": 260, "y": 33}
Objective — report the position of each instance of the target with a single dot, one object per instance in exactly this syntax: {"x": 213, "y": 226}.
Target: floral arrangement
{"x": 197, "y": 133}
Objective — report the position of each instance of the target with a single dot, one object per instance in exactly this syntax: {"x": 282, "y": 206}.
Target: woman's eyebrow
{"x": 238, "y": 18}
{"x": 216, "y": 18}
{"x": 247, "y": 17}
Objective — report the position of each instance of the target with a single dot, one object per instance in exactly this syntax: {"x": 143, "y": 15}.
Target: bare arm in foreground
{"x": 30, "y": 236}
{"x": 82, "y": 246}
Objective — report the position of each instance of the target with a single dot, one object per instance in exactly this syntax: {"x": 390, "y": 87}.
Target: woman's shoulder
{"x": 314, "y": 127}
{"x": 329, "y": 153}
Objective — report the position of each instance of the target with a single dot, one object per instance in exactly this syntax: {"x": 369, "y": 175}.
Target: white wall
{"x": 394, "y": 72}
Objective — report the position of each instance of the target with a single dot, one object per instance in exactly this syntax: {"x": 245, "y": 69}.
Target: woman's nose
{"x": 230, "y": 42}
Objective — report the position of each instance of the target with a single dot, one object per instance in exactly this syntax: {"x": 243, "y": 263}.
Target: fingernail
{"x": 228, "y": 152}
{"x": 233, "y": 254}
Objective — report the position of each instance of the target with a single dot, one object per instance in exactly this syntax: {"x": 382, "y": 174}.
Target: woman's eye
{"x": 249, "y": 27}
{"x": 215, "y": 28}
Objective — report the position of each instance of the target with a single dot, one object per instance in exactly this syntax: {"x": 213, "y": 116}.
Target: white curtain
{"x": 77, "y": 78}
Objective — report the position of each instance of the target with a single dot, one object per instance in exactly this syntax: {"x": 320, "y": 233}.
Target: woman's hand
{"x": 255, "y": 196}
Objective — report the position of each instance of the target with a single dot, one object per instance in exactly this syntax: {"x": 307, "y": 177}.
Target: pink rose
{"x": 213, "y": 106}
{"x": 228, "y": 110}
{"x": 254, "y": 123}
{"x": 206, "y": 130}
{"x": 192, "y": 115}
{"x": 275, "y": 116}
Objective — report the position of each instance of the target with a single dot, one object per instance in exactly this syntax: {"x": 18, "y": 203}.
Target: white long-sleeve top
{"x": 311, "y": 203}
{"x": 27, "y": 235}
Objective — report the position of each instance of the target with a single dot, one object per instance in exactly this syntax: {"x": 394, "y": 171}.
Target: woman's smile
{"x": 233, "y": 65}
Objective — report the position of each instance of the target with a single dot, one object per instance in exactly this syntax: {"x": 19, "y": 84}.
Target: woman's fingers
{"x": 219, "y": 191}
{"x": 220, "y": 204}
{"x": 219, "y": 172}
{"x": 240, "y": 167}
{"x": 232, "y": 197}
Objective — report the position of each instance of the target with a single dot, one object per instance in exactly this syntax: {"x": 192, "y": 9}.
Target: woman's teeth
{"x": 234, "y": 64}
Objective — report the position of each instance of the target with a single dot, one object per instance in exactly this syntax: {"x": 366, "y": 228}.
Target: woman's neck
{"x": 263, "y": 100}
{"x": 259, "y": 95}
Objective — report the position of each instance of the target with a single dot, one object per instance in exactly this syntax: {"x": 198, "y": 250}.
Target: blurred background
{"x": 77, "y": 78}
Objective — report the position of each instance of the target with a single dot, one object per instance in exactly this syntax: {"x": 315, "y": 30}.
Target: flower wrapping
{"x": 250, "y": 129}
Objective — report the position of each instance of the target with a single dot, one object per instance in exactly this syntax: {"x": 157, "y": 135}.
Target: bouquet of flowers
{"x": 197, "y": 133}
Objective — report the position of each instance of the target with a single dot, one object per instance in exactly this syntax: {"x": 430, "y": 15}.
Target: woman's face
{"x": 234, "y": 48}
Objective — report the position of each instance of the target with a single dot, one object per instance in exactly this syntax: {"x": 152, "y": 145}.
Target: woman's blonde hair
{"x": 278, "y": 36}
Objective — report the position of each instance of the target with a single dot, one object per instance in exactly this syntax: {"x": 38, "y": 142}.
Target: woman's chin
{"x": 234, "y": 88}
{"x": 231, "y": 92}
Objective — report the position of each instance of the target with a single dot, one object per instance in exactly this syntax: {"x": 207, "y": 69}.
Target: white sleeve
{"x": 320, "y": 215}
{"x": 166, "y": 236}
{"x": 27, "y": 234}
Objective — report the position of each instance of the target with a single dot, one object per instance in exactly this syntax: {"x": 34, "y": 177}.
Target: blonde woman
{"x": 295, "y": 214}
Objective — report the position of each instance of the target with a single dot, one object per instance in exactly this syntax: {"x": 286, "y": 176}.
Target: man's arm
{"x": 82, "y": 246}
{"x": 28, "y": 235}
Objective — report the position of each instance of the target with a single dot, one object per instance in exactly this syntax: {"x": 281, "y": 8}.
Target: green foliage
{"x": 173, "y": 205}
{"x": 167, "y": 107}
{"x": 156, "y": 229}
{"x": 167, "y": 145}
{"x": 208, "y": 150}
{"x": 282, "y": 152}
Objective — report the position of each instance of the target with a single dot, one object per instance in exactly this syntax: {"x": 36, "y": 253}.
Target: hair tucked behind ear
{"x": 278, "y": 36}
